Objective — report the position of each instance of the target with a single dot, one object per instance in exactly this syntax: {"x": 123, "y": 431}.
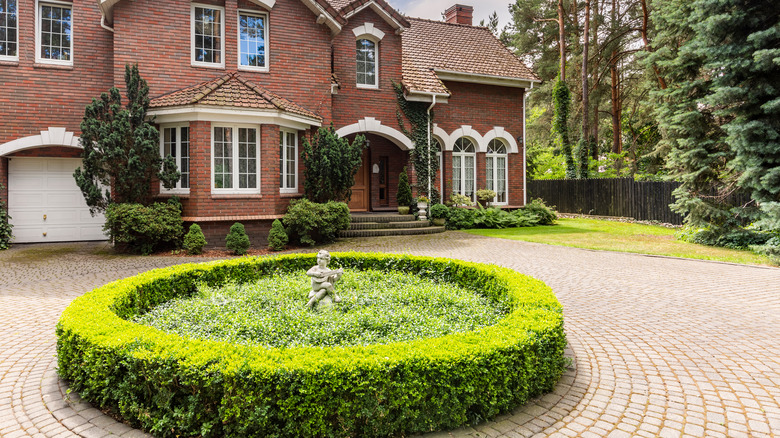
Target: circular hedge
{"x": 175, "y": 386}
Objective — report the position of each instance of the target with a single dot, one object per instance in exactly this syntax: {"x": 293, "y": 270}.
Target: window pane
{"x": 252, "y": 40}
{"x": 207, "y": 31}
{"x": 55, "y": 28}
{"x": 8, "y": 28}
{"x": 365, "y": 56}
{"x": 223, "y": 160}
{"x": 247, "y": 161}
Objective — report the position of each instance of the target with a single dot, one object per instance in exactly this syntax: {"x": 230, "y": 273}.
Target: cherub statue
{"x": 323, "y": 279}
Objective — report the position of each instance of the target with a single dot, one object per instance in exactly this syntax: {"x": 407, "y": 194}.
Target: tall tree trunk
{"x": 646, "y": 40}
{"x": 562, "y": 39}
{"x": 595, "y": 69}
{"x": 617, "y": 146}
{"x": 585, "y": 91}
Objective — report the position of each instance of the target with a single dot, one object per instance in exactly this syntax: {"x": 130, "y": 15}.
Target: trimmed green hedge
{"x": 175, "y": 386}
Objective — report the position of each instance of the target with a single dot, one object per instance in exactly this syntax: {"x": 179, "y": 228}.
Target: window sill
{"x": 236, "y": 196}
{"x": 367, "y": 87}
{"x": 168, "y": 194}
{"x": 254, "y": 69}
{"x": 9, "y": 62}
{"x": 53, "y": 66}
{"x": 209, "y": 66}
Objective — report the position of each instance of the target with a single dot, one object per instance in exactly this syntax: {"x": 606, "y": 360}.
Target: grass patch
{"x": 623, "y": 237}
{"x": 376, "y": 308}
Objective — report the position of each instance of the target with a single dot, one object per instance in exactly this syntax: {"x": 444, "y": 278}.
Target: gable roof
{"x": 434, "y": 51}
{"x": 231, "y": 90}
{"x": 347, "y": 8}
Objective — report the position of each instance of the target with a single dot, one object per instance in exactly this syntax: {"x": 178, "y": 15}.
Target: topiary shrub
{"x": 194, "y": 241}
{"x": 311, "y": 223}
{"x": 175, "y": 386}
{"x": 237, "y": 240}
{"x": 143, "y": 229}
{"x": 439, "y": 211}
{"x": 277, "y": 237}
{"x": 5, "y": 226}
{"x": 404, "y": 194}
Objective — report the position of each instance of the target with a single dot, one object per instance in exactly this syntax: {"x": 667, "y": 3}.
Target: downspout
{"x": 433, "y": 103}
{"x": 103, "y": 23}
{"x": 525, "y": 149}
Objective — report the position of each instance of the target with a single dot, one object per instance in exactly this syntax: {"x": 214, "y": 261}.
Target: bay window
{"x": 235, "y": 163}
{"x": 175, "y": 141}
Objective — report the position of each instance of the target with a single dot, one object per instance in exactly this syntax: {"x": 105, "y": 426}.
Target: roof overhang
{"x": 424, "y": 96}
{"x": 379, "y": 10}
{"x": 207, "y": 113}
{"x": 323, "y": 16}
{"x": 107, "y": 7}
{"x": 474, "y": 78}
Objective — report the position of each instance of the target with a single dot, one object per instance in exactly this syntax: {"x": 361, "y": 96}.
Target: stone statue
{"x": 322, "y": 281}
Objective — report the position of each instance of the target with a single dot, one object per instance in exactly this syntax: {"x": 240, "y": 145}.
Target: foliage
{"x": 121, "y": 149}
{"x": 583, "y": 158}
{"x": 544, "y": 163}
{"x": 175, "y": 386}
{"x": 237, "y": 240}
{"x": 543, "y": 215}
{"x": 277, "y": 237}
{"x": 144, "y": 228}
{"x": 330, "y": 165}
{"x": 423, "y": 200}
{"x": 404, "y": 194}
{"x": 376, "y": 308}
{"x": 534, "y": 213}
{"x": 438, "y": 211}
{"x": 486, "y": 195}
{"x": 194, "y": 240}
{"x": 5, "y": 226}
{"x": 560, "y": 125}
{"x": 424, "y": 155}
{"x": 459, "y": 200}
{"x": 311, "y": 223}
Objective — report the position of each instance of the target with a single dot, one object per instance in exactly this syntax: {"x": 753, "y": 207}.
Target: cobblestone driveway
{"x": 661, "y": 347}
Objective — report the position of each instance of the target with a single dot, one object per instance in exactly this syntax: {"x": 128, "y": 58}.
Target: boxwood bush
{"x": 174, "y": 386}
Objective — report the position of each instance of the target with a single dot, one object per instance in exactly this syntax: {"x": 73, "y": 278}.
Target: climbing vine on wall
{"x": 421, "y": 156}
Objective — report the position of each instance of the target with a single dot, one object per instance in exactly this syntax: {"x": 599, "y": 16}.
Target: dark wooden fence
{"x": 620, "y": 197}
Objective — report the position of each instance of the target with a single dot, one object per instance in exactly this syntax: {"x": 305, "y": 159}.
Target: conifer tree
{"x": 330, "y": 165}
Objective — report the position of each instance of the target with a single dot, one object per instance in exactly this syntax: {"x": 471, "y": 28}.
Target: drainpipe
{"x": 433, "y": 103}
{"x": 103, "y": 23}
{"x": 525, "y": 149}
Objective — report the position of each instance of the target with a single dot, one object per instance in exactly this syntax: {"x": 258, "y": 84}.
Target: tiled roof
{"x": 434, "y": 45}
{"x": 230, "y": 90}
{"x": 346, "y": 6}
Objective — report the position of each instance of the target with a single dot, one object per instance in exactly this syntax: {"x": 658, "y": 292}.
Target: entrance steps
{"x": 387, "y": 224}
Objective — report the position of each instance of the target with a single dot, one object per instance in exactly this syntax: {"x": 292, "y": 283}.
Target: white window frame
{"x": 38, "y": 17}
{"x": 283, "y": 133}
{"x": 266, "y": 39}
{"x": 193, "y": 60}
{"x": 16, "y": 57}
{"x": 179, "y": 189}
{"x": 494, "y": 158}
{"x": 375, "y": 85}
{"x": 462, "y": 156}
{"x": 235, "y": 190}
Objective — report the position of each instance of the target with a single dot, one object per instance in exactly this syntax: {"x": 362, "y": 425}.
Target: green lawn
{"x": 625, "y": 237}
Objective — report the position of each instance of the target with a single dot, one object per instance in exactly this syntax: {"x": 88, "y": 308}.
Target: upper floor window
{"x": 497, "y": 170}
{"x": 55, "y": 33}
{"x": 464, "y": 170}
{"x": 175, "y": 141}
{"x": 366, "y": 52}
{"x": 9, "y": 30}
{"x": 288, "y": 162}
{"x": 253, "y": 41}
{"x": 208, "y": 30}
{"x": 235, "y": 159}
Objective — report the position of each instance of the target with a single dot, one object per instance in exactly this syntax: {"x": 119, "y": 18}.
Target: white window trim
{"x": 367, "y": 31}
{"x": 494, "y": 156}
{"x": 16, "y": 57}
{"x": 178, "y": 190}
{"x": 195, "y": 63}
{"x": 462, "y": 156}
{"x": 281, "y": 170}
{"x": 234, "y": 156}
{"x": 266, "y": 38}
{"x": 38, "y": 58}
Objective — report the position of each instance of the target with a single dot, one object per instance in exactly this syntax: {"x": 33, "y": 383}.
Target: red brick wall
{"x": 36, "y": 97}
{"x": 299, "y": 49}
{"x": 52, "y": 151}
{"x": 351, "y": 103}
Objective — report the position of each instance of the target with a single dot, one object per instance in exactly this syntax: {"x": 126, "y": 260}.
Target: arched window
{"x": 464, "y": 170}
{"x": 365, "y": 51}
{"x": 497, "y": 170}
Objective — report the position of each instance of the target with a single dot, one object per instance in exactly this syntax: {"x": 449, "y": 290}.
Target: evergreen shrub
{"x": 194, "y": 240}
{"x": 174, "y": 386}
{"x": 404, "y": 194}
{"x": 237, "y": 240}
{"x": 439, "y": 211}
{"x": 144, "y": 229}
{"x": 277, "y": 237}
{"x": 311, "y": 223}
{"x": 5, "y": 226}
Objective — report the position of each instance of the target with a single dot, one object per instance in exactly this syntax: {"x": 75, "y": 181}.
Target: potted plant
{"x": 438, "y": 214}
{"x": 404, "y": 194}
{"x": 486, "y": 196}
{"x": 422, "y": 206}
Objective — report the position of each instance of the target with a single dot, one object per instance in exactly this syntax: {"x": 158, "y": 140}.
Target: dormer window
{"x": 252, "y": 41}
{"x": 208, "y": 30}
{"x": 9, "y": 29}
{"x": 367, "y": 39}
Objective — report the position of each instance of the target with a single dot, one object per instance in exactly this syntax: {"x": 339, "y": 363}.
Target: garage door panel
{"x": 61, "y": 183}
{"x": 65, "y": 200}
{"x": 29, "y": 165}
{"x": 27, "y": 182}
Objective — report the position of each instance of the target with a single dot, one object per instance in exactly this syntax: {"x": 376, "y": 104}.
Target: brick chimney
{"x": 459, "y": 14}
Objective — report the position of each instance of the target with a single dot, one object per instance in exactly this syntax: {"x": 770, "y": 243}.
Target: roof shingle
{"x": 230, "y": 90}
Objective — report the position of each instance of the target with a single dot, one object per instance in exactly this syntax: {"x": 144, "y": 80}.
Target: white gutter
{"x": 525, "y": 150}
{"x": 103, "y": 23}
{"x": 433, "y": 103}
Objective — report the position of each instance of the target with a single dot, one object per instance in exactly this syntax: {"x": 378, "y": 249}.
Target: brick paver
{"x": 659, "y": 346}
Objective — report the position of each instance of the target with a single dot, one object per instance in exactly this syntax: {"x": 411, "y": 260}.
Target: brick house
{"x": 236, "y": 85}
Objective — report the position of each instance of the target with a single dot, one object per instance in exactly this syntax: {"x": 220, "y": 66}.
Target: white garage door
{"x": 46, "y": 205}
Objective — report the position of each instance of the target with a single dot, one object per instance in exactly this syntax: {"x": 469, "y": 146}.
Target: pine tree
{"x": 121, "y": 149}
{"x": 560, "y": 126}
{"x": 330, "y": 165}
{"x": 741, "y": 42}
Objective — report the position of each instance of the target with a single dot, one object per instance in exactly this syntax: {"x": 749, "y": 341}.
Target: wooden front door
{"x": 361, "y": 191}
